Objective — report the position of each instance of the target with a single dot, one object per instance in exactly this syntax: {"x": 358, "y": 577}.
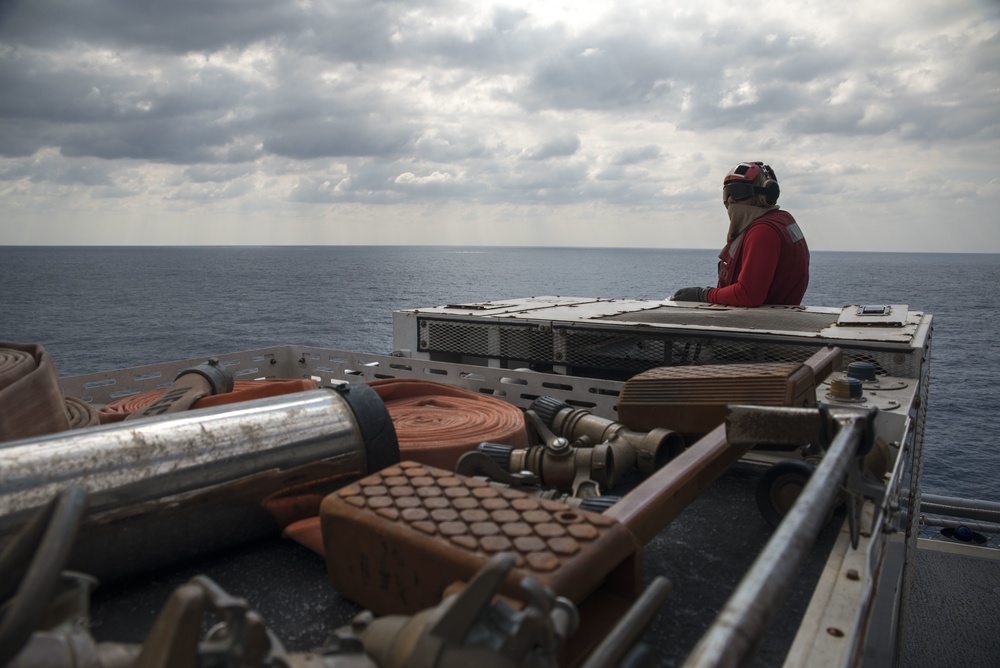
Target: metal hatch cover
{"x": 870, "y": 322}
{"x": 873, "y": 315}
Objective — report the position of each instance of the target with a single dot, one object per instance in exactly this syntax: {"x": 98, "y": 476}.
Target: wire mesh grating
{"x": 618, "y": 351}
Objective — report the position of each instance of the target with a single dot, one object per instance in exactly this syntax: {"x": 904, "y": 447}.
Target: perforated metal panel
{"x": 517, "y": 342}
{"x": 645, "y": 350}
{"x": 624, "y": 353}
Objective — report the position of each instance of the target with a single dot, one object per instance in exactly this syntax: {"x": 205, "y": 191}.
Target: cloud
{"x": 315, "y": 138}
{"x": 554, "y": 148}
{"x": 290, "y": 108}
{"x": 634, "y": 155}
{"x": 51, "y": 168}
{"x": 180, "y": 27}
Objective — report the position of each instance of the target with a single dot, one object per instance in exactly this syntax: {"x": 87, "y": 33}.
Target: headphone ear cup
{"x": 771, "y": 191}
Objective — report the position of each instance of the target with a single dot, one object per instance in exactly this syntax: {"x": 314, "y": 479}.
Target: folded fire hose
{"x": 437, "y": 423}
{"x": 241, "y": 390}
{"x": 31, "y": 401}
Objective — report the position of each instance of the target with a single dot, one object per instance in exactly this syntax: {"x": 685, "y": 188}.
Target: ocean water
{"x": 100, "y": 308}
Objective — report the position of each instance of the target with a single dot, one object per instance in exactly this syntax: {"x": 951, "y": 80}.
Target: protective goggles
{"x": 738, "y": 190}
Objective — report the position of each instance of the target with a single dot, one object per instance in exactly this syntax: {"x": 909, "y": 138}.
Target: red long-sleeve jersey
{"x": 767, "y": 264}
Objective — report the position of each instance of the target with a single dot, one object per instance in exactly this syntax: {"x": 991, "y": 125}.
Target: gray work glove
{"x": 691, "y": 295}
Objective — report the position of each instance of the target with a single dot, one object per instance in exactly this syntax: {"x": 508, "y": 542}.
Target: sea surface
{"x": 101, "y": 308}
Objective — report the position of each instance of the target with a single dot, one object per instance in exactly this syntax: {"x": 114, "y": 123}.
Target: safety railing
{"x": 744, "y": 619}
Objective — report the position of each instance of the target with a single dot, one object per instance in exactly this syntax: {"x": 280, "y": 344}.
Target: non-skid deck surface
{"x": 704, "y": 553}
{"x": 954, "y": 612}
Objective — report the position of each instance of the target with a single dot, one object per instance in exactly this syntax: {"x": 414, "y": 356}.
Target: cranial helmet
{"x": 748, "y": 179}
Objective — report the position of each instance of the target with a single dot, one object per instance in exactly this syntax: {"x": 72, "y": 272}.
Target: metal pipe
{"x": 954, "y": 524}
{"x": 737, "y": 630}
{"x": 172, "y": 487}
{"x": 974, "y": 509}
{"x": 630, "y": 628}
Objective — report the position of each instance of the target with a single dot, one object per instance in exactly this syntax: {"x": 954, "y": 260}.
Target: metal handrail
{"x": 736, "y": 632}
{"x": 954, "y": 524}
{"x": 973, "y": 509}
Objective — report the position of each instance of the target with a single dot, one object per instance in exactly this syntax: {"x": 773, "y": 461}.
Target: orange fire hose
{"x": 31, "y": 401}
{"x": 243, "y": 390}
{"x": 435, "y": 425}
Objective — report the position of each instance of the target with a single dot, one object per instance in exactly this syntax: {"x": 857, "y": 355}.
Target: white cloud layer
{"x": 513, "y": 123}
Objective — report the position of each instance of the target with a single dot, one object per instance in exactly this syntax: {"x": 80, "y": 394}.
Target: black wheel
{"x": 780, "y": 486}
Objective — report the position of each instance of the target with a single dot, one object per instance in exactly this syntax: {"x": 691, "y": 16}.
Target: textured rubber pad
{"x": 395, "y": 540}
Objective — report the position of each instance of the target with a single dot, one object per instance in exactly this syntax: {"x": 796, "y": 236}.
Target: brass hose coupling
{"x": 579, "y": 471}
{"x": 647, "y": 451}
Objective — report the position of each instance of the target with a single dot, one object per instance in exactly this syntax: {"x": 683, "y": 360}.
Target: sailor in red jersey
{"x": 766, "y": 259}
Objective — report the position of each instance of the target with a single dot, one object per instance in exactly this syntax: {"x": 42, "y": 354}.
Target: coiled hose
{"x": 435, "y": 425}
{"x": 243, "y": 390}
{"x": 31, "y": 401}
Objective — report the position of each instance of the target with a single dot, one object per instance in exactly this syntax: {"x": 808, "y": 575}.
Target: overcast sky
{"x": 507, "y": 123}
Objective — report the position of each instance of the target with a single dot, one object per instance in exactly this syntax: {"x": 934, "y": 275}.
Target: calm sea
{"x": 97, "y": 308}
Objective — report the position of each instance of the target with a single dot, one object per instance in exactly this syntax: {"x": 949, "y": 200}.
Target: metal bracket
{"x": 858, "y": 487}
{"x": 814, "y": 430}
{"x": 475, "y": 464}
{"x": 557, "y": 444}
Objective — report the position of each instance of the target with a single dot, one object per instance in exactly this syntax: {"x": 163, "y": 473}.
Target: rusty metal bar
{"x": 792, "y": 426}
{"x": 737, "y": 630}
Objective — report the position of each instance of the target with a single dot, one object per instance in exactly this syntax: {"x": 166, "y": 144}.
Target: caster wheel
{"x": 780, "y": 486}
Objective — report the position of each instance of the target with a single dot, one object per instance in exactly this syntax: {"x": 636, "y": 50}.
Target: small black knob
{"x": 547, "y": 408}
{"x": 598, "y": 504}
{"x": 498, "y": 452}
